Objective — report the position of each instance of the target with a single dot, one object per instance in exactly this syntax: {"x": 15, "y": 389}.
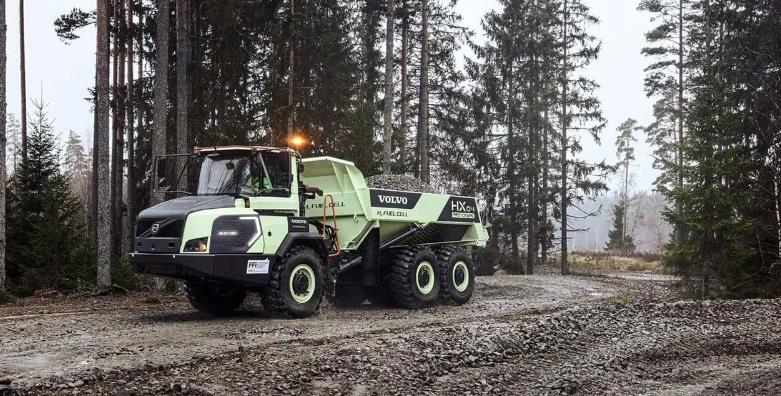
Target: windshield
{"x": 237, "y": 173}
{"x": 222, "y": 174}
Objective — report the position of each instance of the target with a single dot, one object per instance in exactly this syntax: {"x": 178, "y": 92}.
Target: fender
{"x": 311, "y": 239}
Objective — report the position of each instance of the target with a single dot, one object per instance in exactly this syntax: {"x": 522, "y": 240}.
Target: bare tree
{"x": 3, "y": 29}
{"x": 388, "y": 114}
{"x": 103, "y": 173}
{"x": 23, "y": 77}
{"x": 183, "y": 8}
{"x": 423, "y": 134}
{"x": 160, "y": 107}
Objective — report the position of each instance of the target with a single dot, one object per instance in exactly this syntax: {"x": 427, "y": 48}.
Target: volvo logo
{"x": 390, "y": 199}
{"x": 155, "y": 228}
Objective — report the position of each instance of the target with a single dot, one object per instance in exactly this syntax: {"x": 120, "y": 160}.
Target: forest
{"x": 383, "y": 83}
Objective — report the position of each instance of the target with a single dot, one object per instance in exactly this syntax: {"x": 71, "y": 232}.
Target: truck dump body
{"x": 358, "y": 209}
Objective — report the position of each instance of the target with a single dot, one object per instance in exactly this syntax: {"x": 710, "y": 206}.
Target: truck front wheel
{"x": 456, "y": 274}
{"x": 414, "y": 279}
{"x": 296, "y": 284}
{"x": 213, "y": 298}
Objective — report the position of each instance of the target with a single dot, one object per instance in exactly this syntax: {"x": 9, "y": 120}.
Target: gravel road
{"x": 540, "y": 334}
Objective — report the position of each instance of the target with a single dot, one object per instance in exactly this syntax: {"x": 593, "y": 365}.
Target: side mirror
{"x": 168, "y": 171}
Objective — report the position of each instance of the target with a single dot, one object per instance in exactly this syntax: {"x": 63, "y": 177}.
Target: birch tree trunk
{"x": 102, "y": 145}
{"x": 182, "y": 87}
{"x": 160, "y": 106}
{"x": 3, "y": 104}
{"x": 423, "y": 134}
{"x": 388, "y": 114}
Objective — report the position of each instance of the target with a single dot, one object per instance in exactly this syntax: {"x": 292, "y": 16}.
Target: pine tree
{"x": 662, "y": 135}
{"x": 23, "y": 78}
{"x": 387, "y": 135}
{"x": 580, "y": 112}
{"x": 669, "y": 45}
{"x": 3, "y": 141}
{"x": 625, "y": 152}
{"x": 76, "y": 167}
{"x": 618, "y": 239}
{"x": 47, "y": 245}
{"x": 102, "y": 170}
{"x": 728, "y": 203}
{"x": 160, "y": 121}
{"x": 183, "y": 44}
{"x": 404, "y": 89}
{"x": 424, "y": 167}
{"x": 118, "y": 108}
{"x": 132, "y": 103}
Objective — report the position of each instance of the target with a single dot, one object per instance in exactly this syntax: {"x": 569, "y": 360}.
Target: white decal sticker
{"x": 257, "y": 266}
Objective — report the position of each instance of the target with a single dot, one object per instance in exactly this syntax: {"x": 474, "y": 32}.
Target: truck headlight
{"x": 199, "y": 245}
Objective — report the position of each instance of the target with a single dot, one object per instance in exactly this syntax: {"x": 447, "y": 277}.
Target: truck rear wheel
{"x": 456, "y": 274}
{"x": 414, "y": 280}
{"x": 296, "y": 284}
{"x": 213, "y": 298}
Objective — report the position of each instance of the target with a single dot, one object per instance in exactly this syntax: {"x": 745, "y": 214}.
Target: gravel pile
{"x": 399, "y": 182}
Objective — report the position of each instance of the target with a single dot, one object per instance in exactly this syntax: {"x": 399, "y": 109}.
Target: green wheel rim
{"x": 460, "y": 276}
{"x": 302, "y": 283}
{"x": 424, "y": 277}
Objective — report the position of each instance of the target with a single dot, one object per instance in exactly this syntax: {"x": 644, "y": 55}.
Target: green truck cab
{"x": 264, "y": 220}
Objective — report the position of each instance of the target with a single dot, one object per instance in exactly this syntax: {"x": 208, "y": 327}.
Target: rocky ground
{"x": 542, "y": 334}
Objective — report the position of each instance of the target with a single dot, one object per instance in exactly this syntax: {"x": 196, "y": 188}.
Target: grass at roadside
{"x": 603, "y": 261}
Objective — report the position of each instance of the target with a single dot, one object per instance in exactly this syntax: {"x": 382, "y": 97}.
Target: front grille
{"x": 232, "y": 234}
{"x": 168, "y": 228}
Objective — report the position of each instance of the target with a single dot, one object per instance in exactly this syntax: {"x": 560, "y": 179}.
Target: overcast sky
{"x": 64, "y": 72}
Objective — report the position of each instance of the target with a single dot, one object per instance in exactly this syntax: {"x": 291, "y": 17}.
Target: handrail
{"x": 333, "y": 215}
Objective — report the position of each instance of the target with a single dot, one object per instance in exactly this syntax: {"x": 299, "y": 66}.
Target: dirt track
{"x": 527, "y": 335}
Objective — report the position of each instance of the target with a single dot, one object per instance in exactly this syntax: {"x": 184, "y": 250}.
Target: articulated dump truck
{"x": 265, "y": 220}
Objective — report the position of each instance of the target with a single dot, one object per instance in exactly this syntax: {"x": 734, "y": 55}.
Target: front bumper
{"x": 230, "y": 268}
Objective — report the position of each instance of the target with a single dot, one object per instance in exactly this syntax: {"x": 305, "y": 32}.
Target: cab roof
{"x": 214, "y": 149}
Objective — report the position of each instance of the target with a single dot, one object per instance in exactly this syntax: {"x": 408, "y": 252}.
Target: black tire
{"x": 284, "y": 296}
{"x": 213, "y": 298}
{"x": 414, "y": 281}
{"x": 456, "y": 275}
{"x": 349, "y": 295}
